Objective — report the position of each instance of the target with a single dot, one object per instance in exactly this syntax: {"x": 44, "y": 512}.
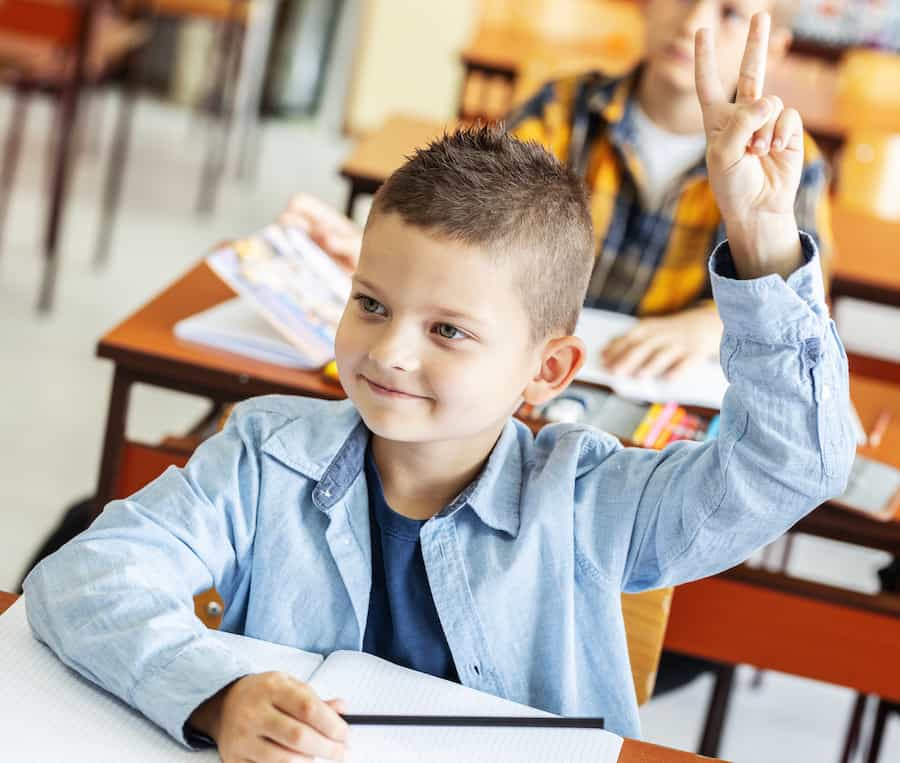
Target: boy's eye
{"x": 730, "y": 13}
{"x": 370, "y": 305}
{"x": 448, "y": 331}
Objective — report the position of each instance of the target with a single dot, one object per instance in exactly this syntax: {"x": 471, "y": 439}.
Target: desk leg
{"x": 355, "y": 191}
{"x": 718, "y": 711}
{"x": 113, "y": 440}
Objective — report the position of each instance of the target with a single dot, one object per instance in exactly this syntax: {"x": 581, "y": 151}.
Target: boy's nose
{"x": 394, "y": 351}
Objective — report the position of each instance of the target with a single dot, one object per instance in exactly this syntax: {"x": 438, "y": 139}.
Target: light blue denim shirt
{"x": 526, "y": 565}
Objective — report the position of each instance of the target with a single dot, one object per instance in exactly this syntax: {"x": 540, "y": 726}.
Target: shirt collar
{"x": 329, "y": 446}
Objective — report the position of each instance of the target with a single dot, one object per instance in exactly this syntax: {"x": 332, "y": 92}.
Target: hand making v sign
{"x": 754, "y": 156}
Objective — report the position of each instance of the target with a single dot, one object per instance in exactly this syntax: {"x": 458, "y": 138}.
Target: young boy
{"x": 417, "y": 520}
{"x": 638, "y": 143}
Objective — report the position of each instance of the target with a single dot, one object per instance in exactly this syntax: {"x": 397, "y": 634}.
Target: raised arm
{"x": 785, "y": 443}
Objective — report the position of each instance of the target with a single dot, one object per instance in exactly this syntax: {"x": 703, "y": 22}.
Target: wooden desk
{"x": 145, "y": 349}
{"x": 6, "y": 601}
{"x": 633, "y": 751}
{"x": 867, "y": 262}
{"x": 382, "y": 151}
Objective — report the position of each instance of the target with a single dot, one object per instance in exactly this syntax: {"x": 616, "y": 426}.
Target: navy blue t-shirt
{"x": 403, "y": 624}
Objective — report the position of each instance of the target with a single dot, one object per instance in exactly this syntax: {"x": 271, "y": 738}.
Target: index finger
{"x": 706, "y": 70}
{"x": 753, "y": 65}
{"x": 302, "y": 703}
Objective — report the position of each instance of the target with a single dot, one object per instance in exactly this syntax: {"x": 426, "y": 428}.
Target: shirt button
{"x": 826, "y": 392}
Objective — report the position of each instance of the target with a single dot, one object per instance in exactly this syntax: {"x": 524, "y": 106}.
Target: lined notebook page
{"x": 371, "y": 686}
{"x": 50, "y": 714}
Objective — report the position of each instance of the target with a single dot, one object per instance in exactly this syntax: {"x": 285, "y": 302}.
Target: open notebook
{"x": 702, "y": 385}
{"x": 49, "y": 713}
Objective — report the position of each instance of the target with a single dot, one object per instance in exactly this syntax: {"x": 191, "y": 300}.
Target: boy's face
{"x": 670, "y": 29}
{"x": 434, "y": 343}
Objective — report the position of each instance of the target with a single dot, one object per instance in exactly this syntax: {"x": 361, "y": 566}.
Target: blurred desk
{"x": 867, "y": 262}
{"x": 867, "y": 266}
{"x": 870, "y": 397}
{"x": 144, "y": 349}
{"x": 6, "y": 600}
{"x": 382, "y": 151}
{"x": 633, "y": 751}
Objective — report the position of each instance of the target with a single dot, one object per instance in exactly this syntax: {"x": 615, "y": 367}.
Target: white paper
{"x": 867, "y": 328}
{"x": 50, "y": 714}
{"x": 373, "y": 686}
{"x": 702, "y": 385}
{"x": 235, "y": 326}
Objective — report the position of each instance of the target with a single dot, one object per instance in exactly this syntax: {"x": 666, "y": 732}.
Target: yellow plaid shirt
{"x": 649, "y": 261}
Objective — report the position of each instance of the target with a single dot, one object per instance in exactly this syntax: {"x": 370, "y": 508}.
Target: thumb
{"x": 747, "y": 119}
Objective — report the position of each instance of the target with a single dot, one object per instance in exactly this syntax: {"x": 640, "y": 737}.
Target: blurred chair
{"x": 543, "y": 39}
{"x": 869, "y": 172}
{"x": 58, "y": 47}
{"x": 867, "y": 103}
{"x": 234, "y": 17}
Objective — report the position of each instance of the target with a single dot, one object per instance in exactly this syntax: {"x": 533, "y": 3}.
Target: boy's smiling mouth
{"x": 385, "y": 391}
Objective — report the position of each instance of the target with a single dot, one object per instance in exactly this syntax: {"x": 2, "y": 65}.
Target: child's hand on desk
{"x": 754, "y": 154}
{"x": 338, "y": 236}
{"x": 271, "y": 718}
{"x": 667, "y": 345}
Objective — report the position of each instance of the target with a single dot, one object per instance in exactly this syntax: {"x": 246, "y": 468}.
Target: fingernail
{"x": 777, "y": 144}
{"x": 759, "y": 145}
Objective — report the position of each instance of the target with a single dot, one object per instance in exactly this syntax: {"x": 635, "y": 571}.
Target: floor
{"x": 55, "y": 392}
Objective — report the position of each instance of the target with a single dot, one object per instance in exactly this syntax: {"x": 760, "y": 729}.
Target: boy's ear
{"x": 562, "y": 358}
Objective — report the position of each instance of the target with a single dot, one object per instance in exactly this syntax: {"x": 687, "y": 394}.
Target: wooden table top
{"x": 506, "y": 51}
{"x": 868, "y": 249}
{"x": 633, "y": 751}
{"x": 871, "y": 397}
{"x": 145, "y": 341}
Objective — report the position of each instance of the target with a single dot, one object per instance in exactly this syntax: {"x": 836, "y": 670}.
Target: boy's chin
{"x": 389, "y": 425}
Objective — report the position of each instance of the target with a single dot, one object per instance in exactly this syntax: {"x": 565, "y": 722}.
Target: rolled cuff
{"x": 168, "y": 695}
{"x": 771, "y": 309}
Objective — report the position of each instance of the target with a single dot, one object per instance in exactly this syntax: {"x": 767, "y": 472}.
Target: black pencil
{"x": 474, "y": 720}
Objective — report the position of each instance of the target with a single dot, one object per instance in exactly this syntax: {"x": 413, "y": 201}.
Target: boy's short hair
{"x": 483, "y": 187}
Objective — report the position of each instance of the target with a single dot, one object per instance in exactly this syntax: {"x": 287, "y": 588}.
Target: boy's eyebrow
{"x": 446, "y": 311}
{"x": 364, "y": 282}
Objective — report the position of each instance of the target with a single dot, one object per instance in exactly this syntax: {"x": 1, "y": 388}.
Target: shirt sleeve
{"x": 116, "y": 603}
{"x": 785, "y": 443}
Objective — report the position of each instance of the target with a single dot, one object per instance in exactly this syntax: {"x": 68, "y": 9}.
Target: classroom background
{"x": 232, "y": 106}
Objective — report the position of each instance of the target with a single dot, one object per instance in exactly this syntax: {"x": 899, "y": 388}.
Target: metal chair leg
{"x": 717, "y": 712}
{"x": 117, "y": 158}
{"x": 878, "y": 730}
{"x": 68, "y": 115}
{"x": 851, "y": 741}
{"x": 214, "y": 161}
{"x": 11, "y": 152}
